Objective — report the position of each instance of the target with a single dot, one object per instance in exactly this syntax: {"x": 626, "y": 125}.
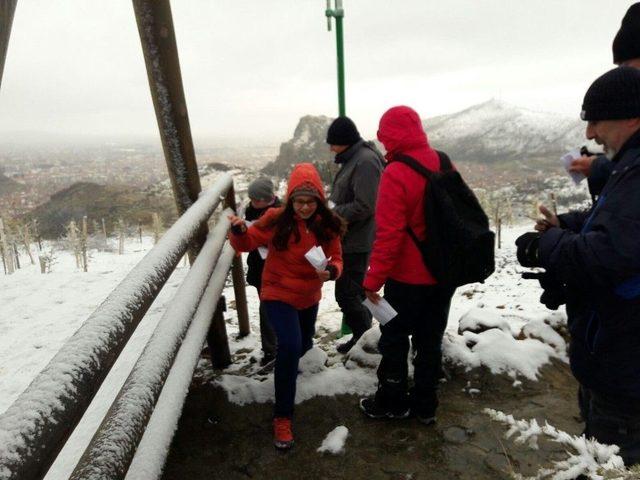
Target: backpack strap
{"x": 445, "y": 164}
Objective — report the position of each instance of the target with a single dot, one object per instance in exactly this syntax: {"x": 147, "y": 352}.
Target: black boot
{"x": 374, "y": 409}
{"x": 346, "y": 346}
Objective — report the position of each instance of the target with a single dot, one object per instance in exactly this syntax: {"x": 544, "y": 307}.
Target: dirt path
{"x": 464, "y": 444}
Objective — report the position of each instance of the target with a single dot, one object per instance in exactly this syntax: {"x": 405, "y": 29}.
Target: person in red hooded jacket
{"x": 291, "y": 286}
{"x": 409, "y": 286}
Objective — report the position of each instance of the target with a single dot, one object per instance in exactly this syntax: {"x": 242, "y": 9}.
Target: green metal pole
{"x": 338, "y": 14}
{"x": 340, "y": 51}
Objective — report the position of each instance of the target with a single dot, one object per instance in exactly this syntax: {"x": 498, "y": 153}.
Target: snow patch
{"x": 334, "y": 442}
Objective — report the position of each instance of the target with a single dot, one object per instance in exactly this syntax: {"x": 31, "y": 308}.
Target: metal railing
{"x": 35, "y": 428}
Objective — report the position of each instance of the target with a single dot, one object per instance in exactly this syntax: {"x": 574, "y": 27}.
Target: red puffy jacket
{"x": 288, "y": 276}
{"x": 400, "y": 202}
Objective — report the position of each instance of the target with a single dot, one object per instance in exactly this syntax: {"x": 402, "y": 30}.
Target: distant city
{"x": 39, "y": 171}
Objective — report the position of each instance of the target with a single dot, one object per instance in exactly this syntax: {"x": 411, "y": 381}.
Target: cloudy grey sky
{"x": 252, "y": 68}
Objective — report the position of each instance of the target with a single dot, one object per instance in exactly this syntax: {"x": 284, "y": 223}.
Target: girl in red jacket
{"x": 291, "y": 286}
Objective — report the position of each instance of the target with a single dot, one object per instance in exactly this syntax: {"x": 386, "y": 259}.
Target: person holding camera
{"x": 593, "y": 257}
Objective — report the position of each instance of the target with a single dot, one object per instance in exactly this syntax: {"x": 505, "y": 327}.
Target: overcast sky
{"x": 252, "y": 68}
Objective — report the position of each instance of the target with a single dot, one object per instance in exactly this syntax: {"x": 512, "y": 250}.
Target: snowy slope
{"x": 495, "y": 130}
{"x": 39, "y": 312}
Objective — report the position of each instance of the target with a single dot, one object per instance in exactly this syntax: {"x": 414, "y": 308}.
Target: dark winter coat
{"x": 255, "y": 263}
{"x": 596, "y": 255}
{"x": 600, "y": 171}
{"x": 354, "y": 193}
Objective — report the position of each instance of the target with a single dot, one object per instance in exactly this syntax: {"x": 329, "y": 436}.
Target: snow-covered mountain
{"x": 495, "y": 131}
{"x": 490, "y": 132}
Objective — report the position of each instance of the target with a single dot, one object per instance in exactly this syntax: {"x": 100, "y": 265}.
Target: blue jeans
{"x": 294, "y": 332}
{"x": 612, "y": 421}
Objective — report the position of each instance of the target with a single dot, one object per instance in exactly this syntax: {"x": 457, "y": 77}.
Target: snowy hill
{"x": 487, "y": 133}
{"x": 495, "y": 131}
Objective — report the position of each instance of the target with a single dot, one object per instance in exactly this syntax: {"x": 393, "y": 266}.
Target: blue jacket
{"x": 596, "y": 255}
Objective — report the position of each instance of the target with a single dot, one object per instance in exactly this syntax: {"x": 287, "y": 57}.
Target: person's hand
{"x": 324, "y": 275}
{"x": 374, "y": 297}
{"x": 550, "y": 220}
{"x": 527, "y": 253}
{"x": 238, "y": 226}
{"x": 582, "y": 165}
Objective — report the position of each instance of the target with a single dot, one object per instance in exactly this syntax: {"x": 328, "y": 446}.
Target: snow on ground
{"x": 334, "y": 441}
{"x": 38, "y": 313}
{"x": 499, "y": 325}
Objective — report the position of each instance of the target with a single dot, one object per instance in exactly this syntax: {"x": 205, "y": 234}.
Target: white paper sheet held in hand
{"x": 317, "y": 258}
{"x": 569, "y": 157}
{"x": 381, "y": 311}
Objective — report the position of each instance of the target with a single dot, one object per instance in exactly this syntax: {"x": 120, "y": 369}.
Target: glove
{"x": 238, "y": 229}
{"x": 528, "y": 249}
{"x": 333, "y": 271}
{"x": 553, "y": 294}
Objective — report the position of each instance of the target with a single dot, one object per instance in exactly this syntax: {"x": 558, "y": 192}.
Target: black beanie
{"x": 626, "y": 44}
{"x": 613, "y": 96}
{"x": 342, "y": 131}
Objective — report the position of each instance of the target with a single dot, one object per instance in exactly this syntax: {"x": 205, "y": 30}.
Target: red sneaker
{"x": 282, "y": 436}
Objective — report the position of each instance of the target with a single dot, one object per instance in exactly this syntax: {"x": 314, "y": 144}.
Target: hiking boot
{"x": 425, "y": 419}
{"x": 346, "y": 346}
{"x": 373, "y": 409}
{"x": 266, "y": 359}
{"x": 282, "y": 435}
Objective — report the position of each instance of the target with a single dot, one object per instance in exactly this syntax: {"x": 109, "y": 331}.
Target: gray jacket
{"x": 354, "y": 192}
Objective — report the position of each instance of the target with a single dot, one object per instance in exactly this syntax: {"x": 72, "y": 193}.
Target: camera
{"x": 553, "y": 294}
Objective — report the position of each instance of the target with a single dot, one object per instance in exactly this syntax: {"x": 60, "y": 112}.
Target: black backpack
{"x": 459, "y": 247}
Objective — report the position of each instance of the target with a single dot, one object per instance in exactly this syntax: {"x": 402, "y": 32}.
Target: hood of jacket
{"x": 401, "y": 132}
{"x": 305, "y": 175}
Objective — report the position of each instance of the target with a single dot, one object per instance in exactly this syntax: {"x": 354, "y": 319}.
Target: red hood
{"x": 305, "y": 175}
{"x": 401, "y": 131}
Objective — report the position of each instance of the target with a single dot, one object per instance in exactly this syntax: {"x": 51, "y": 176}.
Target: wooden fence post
{"x": 26, "y": 238}
{"x": 217, "y": 339}
{"x": 156, "y": 227}
{"x": 121, "y": 237}
{"x": 7, "y": 255}
{"x": 83, "y": 243}
{"x": 237, "y": 273}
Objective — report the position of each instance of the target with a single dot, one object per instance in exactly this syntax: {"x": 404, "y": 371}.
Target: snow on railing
{"x": 110, "y": 452}
{"x": 35, "y": 427}
{"x": 151, "y": 454}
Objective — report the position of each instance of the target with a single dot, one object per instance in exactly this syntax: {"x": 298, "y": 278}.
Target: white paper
{"x": 331, "y": 204}
{"x": 569, "y": 157}
{"x": 317, "y": 258}
{"x": 381, "y": 311}
{"x": 263, "y": 251}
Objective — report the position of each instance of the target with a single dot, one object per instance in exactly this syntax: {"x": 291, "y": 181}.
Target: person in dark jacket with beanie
{"x": 594, "y": 256}
{"x": 626, "y": 52}
{"x": 409, "y": 286}
{"x": 354, "y": 193}
{"x": 262, "y": 198}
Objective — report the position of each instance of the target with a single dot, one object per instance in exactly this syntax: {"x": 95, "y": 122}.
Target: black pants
{"x": 613, "y": 422}
{"x": 350, "y": 294}
{"x": 267, "y": 335}
{"x": 423, "y": 312}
